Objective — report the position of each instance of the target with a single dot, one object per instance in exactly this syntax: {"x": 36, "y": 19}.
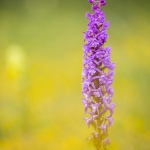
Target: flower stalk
{"x": 97, "y": 76}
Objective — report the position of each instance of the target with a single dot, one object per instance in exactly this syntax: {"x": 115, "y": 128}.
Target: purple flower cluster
{"x": 97, "y": 76}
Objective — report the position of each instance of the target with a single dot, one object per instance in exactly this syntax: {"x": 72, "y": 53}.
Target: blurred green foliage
{"x": 40, "y": 74}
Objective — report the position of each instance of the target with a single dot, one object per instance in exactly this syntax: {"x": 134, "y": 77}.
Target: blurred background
{"x": 40, "y": 74}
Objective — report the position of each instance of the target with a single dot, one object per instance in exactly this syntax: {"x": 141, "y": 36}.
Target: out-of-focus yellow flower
{"x": 15, "y": 61}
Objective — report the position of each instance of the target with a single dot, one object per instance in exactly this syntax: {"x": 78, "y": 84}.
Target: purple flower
{"x": 103, "y": 127}
{"x": 91, "y": 1}
{"x": 90, "y": 121}
{"x": 103, "y": 2}
{"x": 97, "y": 75}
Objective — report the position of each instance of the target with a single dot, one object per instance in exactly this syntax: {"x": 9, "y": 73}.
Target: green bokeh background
{"x": 40, "y": 74}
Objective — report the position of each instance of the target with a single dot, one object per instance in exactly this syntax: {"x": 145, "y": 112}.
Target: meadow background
{"x": 40, "y": 74}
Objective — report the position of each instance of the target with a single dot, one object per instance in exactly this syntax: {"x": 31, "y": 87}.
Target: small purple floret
{"x": 91, "y": 1}
{"x": 97, "y": 76}
{"x": 103, "y": 2}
